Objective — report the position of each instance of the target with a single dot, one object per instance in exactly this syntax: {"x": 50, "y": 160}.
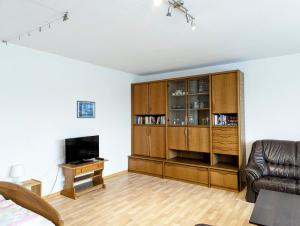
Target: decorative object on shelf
{"x": 16, "y": 172}
{"x": 86, "y": 109}
{"x": 178, "y": 92}
{"x": 179, "y": 4}
{"x": 225, "y": 120}
{"x": 149, "y": 120}
{"x": 39, "y": 28}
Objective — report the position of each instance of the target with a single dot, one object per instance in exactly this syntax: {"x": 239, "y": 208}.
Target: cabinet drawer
{"x": 188, "y": 173}
{"x": 146, "y": 166}
{"x": 224, "y": 179}
{"x": 225, "y": 141}
{"x": 89, "y": 168}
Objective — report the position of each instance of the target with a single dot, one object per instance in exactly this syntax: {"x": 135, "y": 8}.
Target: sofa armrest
{"x": 253, "y": 173}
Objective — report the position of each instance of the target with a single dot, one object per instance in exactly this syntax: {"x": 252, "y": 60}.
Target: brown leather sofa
{"x": 273, "y": 165}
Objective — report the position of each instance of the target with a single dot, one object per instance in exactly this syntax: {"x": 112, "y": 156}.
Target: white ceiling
{"x": 137, "y": 37}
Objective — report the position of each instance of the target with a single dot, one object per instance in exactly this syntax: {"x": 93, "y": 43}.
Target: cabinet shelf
{"x": 224, "y": 166}
{"x": 152, "y": 125}
{"x": 187, "y": 161}
{"x": 233, "y": 126}
{"x": 85, "y": 177}
{"x": 86, "y": 187}
{"x": 198, "y": 94}
{"x": 198, "y": 109}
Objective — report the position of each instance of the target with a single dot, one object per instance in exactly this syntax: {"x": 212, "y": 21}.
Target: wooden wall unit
{"x": 202, "y": 137}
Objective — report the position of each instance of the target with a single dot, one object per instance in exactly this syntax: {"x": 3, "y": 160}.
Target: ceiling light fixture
{"x": 63, "y": 18}
{"x": 179, "y": 4}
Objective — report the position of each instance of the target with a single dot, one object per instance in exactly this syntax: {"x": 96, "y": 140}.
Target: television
{"x": 81, "y": 149}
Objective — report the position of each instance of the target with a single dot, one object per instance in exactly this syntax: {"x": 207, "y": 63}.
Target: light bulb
{"x": 193, "y": 25}
{"x": 169, "y": 11}
{"x": 157, "y": 3}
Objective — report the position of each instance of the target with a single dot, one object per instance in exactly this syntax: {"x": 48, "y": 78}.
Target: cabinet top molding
{"x": 190, "y": 76}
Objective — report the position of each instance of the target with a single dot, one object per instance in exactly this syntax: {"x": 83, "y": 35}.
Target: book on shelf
{"x": 225, "y": 120}
{"x": 149, "y": 120}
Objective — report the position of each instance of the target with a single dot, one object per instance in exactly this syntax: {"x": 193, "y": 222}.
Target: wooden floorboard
{"x": 135, "y": 199}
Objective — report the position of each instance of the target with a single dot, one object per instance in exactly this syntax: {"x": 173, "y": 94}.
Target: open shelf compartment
{"x": 190, "y": 158}
{"x": 225, "y": 162}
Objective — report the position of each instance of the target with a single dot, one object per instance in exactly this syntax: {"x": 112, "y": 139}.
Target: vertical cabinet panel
{"x": 177, "y": 138}
{"x": 140, "y": 99}
{"x": 157, "y": 98}
{"x": 224, "y": 93}
{"x": 157, "y": 142}
{"x": 199, "y": 139}
{"x": 140, "y": 140}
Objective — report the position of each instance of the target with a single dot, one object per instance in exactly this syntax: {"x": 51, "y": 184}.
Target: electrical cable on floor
{"x": 58, "y": 167}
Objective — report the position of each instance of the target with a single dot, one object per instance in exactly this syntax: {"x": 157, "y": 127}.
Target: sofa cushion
{"x": 280, "y": 152}
{"x": 276, "y": 184}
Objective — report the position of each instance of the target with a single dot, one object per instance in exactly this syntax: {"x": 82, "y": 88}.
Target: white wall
{"x": 38, "y": 94}
{"x": 272, "y": 92}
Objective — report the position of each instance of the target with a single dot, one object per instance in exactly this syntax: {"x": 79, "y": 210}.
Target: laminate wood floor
{"x": 136, "y": 199}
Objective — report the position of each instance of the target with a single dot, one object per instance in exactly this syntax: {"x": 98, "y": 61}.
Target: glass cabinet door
{"x": 177, "y": 102}
{"x": 198, "y": 102}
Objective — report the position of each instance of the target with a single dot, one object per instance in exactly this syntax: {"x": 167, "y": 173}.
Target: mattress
{"x": 12, "y": 214}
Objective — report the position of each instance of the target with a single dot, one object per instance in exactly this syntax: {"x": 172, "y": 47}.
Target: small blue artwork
{"x": 86, "y": 109}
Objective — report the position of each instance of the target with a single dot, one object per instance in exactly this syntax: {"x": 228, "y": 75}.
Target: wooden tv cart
{"x": 92, "y": 172}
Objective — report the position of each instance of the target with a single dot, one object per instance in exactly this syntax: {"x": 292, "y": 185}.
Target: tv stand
{"x": 90, "y": 172}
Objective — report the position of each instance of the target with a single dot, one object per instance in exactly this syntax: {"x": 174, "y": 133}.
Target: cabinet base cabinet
{"x": 187, "y": 173}
{"x": 146, "y": 166}
{"x": 203, "y": 175}
{"x": 224, "y": 179}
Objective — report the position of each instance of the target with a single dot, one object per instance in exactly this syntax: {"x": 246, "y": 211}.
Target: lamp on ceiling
{"x": 179, "y": 4}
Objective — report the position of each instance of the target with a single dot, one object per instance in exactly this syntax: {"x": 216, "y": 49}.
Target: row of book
{"x": 225, "y": 120}
{"x": 149, "y": 120}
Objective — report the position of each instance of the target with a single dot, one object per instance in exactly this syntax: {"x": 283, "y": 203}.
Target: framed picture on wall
{"x": 86, "y": 109}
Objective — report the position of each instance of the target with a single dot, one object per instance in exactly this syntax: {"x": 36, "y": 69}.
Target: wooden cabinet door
{"x": 157, "y": 98}
{"x": 140, "y": 140}
{"x": 177, "y": 138}
{"x": 140, "y": 99}
{"x": 199, "y": 139}
{"x": 157, "y": 142}
{"x": 225, "y": 93}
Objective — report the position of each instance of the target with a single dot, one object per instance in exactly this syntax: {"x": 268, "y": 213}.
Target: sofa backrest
{"x": 282, "y": 158}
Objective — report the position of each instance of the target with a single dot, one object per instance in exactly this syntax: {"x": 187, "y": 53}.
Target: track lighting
{"x": 179, "y": 4}
{"x": 63, "y": 17}
{"x": 169, "y": 13}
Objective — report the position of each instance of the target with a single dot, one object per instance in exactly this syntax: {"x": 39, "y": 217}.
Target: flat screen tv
{"x": 82, "y": 149}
